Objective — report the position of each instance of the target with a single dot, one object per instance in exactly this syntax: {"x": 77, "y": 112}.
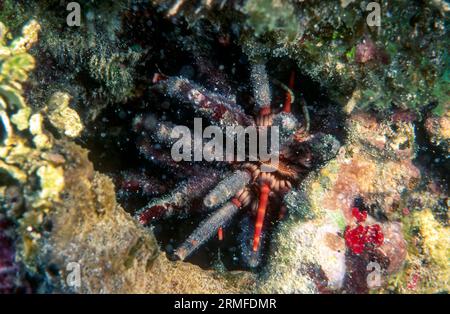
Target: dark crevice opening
{"x": 112, "y": 143}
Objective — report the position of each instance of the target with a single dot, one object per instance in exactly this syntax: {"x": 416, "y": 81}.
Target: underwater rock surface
{"x": 370, "y": 174}
{"x": 115, "y": 254}
{"x": 67, "y": 213}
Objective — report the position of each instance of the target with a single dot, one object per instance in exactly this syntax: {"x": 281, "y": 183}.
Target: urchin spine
{"x": 207, "y": 229}
{"x": 180, "y": 198}
{"x": 261, "y": 88}
{"x": 227, "y": 188}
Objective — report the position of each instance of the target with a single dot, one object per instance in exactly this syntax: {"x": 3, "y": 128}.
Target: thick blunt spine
{"x": 214, "y": 107}
{"x": 207, "y": 229}
{"x": 261, "y": 88}
{"x": 227, "y": 188}
{"x": 179, "y": 200}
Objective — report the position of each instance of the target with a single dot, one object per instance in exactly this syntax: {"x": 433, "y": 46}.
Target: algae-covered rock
{"x": 92, "y": 64}
{"x": 64, "y": 217}
{"x": 438, "y": 129}
{"x": 426, "y": 269}
{"x": 311, "y": 259}
{"x": 375, "y": 173}
{"x": 62, "y": 117}
{"x": 114, "y": 254}
{"x": 399, "y": 62}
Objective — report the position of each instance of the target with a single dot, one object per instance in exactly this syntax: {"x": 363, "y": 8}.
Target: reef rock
{"x": 114, "y": 253}
{"x": 59, "y": 220}
{"x": 311, "y": 259}
{"x": 438, "y": 128}
{"x": 374, "y": 170}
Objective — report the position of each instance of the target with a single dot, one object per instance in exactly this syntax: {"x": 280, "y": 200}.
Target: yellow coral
{"x": 40, "y": 139}
{"x": 51, "y": 182}
{"x": 20, "y": 119}
{"x": 17, "y": 158}
{"x": 435, "y": 238}
{"x": 29, "y": 37}
{"x": 428, "y": 255}
{"x": 14, "y": 172}
{"x": 62, "y": 117}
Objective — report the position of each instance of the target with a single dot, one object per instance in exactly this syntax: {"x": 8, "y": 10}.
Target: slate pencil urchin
{"x": 253, "y": 185}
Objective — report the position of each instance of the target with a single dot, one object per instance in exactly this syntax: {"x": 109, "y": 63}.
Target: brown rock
{"x": 114, "y": 253}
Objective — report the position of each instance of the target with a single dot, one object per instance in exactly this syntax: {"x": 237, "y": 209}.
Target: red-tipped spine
{"x": 220, "y": 233}
{"x": 158, "y": 77}
{"x": 266, "y": 110}
{"x": 288, "y": 99}
{"x": 263, "y": 200}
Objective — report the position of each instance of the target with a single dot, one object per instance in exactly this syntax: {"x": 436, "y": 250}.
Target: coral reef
{"x": 426, "y": 269}
{"x": 115, "y": 254}
{"x": 358, "y": 204}
{"x": 68, "y": 213}
{"x": 88, "y": 61}
{"x": 374, "y": 187}
{"x": 335, "y": 45}
{"x": 401, "y": 64}
{"x": 438, "y": 128}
